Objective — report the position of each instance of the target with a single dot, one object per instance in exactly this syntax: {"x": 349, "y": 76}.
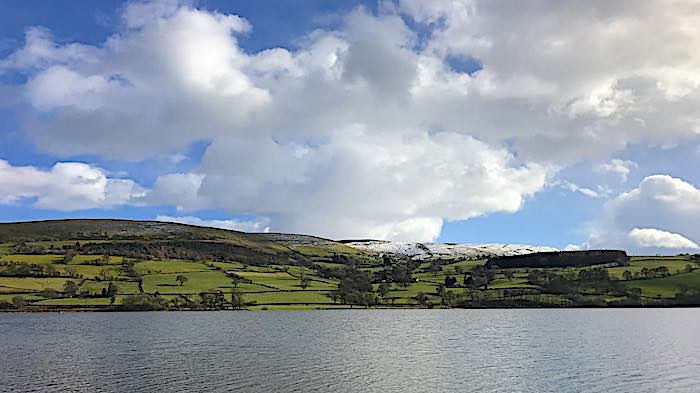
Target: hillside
{"x": 120, "y": 264}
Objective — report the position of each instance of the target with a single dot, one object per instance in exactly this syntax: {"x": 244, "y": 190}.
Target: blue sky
{"x": 399, "y": 120}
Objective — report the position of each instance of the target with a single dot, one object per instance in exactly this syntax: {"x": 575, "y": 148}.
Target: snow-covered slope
{"x": 423, "y": 251}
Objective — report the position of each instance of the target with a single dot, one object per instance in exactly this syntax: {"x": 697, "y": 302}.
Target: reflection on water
{"x": 631, "y": 350}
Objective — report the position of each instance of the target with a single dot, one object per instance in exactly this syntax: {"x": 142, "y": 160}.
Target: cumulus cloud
{"x": 650, "y": 237}
{"x": 65, "y": 186}
{"x": 370, "y": 128}
{"x": 235, "y": 225}
{"x": 575, "y": 78}
{"x": 360, "y": 184}
{"x": 661, "y": 212}
{"x": 621, "y": 168}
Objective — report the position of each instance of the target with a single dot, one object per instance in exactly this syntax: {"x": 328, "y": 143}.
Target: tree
{"x": 448, "y": 298}
{"x": 401, "y": 274}
{"x": 634, "y": 293}
{"x": 70, "y": 288}
{"x": 50, "y": 270}
{"x": 383, "y": 290}
{"x": 68, "y": 256}
{"x": 353, "y": 287}
{"x": 144, "y": 301}
{"x": 440, "y": 289}
{"x": 688, "y": 268}
{"x": 644, "y": 272}
{"x": 435, "y": 267}
{"x": 237, "y": 301}
{"x": 105, "y": 275}
{"x": 212, "y": 299}
{"x": 19, "y": 301}
{"x": 71, "y": 271}
{"x": 509, "y": 274}
{"x": 481, "y": 276}
{"x": 303, "y": 281}
{"x": 181, "y": 279}
{"x": 111, "y": 290}
{"x": 422, "y": 299}
{"x": 627, "y": 275}
{"x": 450, "y": 281}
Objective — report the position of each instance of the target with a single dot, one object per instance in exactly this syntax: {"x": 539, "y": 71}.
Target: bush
{"x": 144, "y": 302}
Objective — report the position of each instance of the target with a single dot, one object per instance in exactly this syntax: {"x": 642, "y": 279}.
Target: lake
{"x": 552, "y": 350}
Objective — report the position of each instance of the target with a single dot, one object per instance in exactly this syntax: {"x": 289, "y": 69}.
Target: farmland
{"x": 107, "y": 264}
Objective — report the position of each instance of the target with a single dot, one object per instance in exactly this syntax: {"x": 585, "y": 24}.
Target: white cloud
{"x": 65, "y": 186}
{"x": 369, "y": 128}
{"x": 572, "y": 247}
{"x": 235, "y": 225}
{"x": 662, "y": 212}
{"x": 618, "y": 167}
{"x": 574, "y": 78}
{"x": 583, "y": 190}
{"x": 360, "y": 184}
{"x": 650, "y": 237}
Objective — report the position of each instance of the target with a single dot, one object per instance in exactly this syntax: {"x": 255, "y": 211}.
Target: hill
{"x": 122, "y": 264}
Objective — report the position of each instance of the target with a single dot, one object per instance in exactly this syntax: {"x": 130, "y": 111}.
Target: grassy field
{"x": 666, "y": 287}
{"x": 673, "y": 264}
{"x": 33, "y": 259}
{"x": 13, "y": 284}
{"x": 170, "y": 267}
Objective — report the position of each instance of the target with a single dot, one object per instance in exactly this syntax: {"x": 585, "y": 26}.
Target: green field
{"x": 13, "y": 284}
{"x": 673, "y": 264}
{"x": 170, "y": 266}
{"x": 666, "y": 287}
{"x": 35, "y": 259}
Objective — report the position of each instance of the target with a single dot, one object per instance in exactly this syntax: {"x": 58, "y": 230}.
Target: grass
{"x": 196, "y": 282}
{"x": 91, "y": 271}
{"x": 11, "y": 284}
{"x": 31, "y": 259}
{"x": 125, "y": 287}
{"x": 504, "y": 283}
{"x": 281, "y": 281}
{"x": 91, "y": 259}
{"x": 170, "y": 266}
{"x": 666, "y": 287}
{"x": 636, "y": 265}
{"x": 7, "y": 297}
{"x": 227, "y": 266}
{"x": 302, "y": 297}
{"x": 5, "y": 248}
{"x": 299, "y": 307}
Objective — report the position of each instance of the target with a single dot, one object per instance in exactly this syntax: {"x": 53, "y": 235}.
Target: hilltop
{"x": 449, "y": 251}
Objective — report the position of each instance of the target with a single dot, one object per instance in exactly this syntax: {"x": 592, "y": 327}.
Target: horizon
{"x": 388, "y": 120}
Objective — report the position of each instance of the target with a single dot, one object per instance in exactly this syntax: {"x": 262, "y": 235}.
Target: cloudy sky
{"x": 563, "y": 123}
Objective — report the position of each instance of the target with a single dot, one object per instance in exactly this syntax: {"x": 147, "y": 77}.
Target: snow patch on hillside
{"x": 421, "y": 251}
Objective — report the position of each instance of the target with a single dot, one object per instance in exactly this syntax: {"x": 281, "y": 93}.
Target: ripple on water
{"x": 353, "y": 351}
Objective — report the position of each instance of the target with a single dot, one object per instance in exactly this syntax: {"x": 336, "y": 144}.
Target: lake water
{"x": 575, "y": 350}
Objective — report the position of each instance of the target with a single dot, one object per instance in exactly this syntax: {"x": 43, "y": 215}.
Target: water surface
{"x": 574, "y": 350}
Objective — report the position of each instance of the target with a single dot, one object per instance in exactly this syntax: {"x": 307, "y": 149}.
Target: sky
{"x": 560, "y": 123}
